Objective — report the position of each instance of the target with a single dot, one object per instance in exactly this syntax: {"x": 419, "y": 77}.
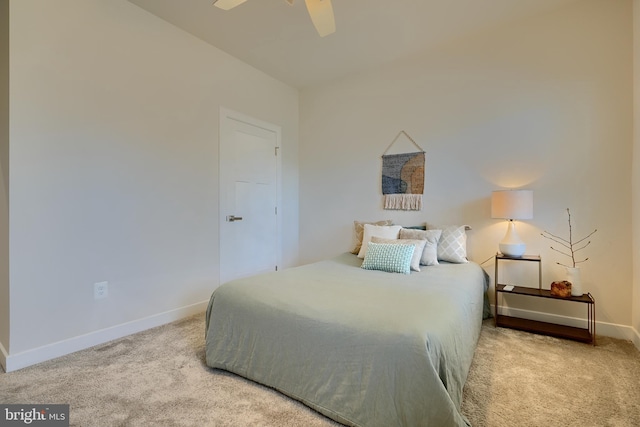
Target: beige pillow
{"x": 360, "y": 232}
{"x": 370, "y": 230}
{"x": 431, "y": 237}
{"x": 417, "y": 252}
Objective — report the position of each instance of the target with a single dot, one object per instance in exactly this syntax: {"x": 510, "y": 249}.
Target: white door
{"x": 249, "y": 239}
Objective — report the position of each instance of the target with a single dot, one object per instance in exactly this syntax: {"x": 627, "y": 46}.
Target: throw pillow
{"x": 430, "y": 250}
{"x": 452, "y": 246}
{"x": 417, "y": 253}
{"x": 359, "y": 226}
{"x": 392, "y": 258}
{"x": 387, "y": 232}
{"x": 416, "y": 227}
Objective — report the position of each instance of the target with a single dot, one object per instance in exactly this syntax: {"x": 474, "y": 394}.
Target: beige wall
{"x": 4, "y": 178}
{"x": 114, "y": 165}
{"x": 544, "y": 103}
{"x": 636, "y": 172}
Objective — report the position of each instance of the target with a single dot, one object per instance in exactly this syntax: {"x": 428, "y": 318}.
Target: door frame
{"x": 227, "y": 115}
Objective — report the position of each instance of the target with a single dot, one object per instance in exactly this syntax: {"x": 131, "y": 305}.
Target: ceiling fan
{"x": 321, "y": 13}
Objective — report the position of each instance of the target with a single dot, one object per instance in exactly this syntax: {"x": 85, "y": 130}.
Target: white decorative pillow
{"x": 359, "y": 226}
{"x": 417, "y": 253}
{"x": 431, "y": 238}
{"x": 370, "y": 230}
{"x": 387, "y": 257}
{"x": 452, "y": 246}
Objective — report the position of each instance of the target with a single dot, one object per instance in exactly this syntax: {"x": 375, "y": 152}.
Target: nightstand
{"x": 587, "y": 335}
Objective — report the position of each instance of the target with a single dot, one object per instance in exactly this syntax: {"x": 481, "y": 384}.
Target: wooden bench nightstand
{"x": 587, "y": 335}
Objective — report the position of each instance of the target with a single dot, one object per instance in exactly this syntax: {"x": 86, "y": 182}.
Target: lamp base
{"x": 512, "y": 245}
{"x": 512, "y": 250}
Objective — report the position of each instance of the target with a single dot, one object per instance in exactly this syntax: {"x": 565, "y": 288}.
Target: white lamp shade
{"x": 512, "y": 204}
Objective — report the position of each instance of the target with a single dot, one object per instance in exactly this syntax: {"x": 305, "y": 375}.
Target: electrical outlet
{"x": 100, "y": 290}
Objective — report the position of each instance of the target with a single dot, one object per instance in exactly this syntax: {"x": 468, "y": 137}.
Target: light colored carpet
{"x": 521, "y": 379}
{"x": 158, "y": 378}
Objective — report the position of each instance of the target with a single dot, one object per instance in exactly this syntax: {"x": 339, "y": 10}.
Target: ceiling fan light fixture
{"x": 227, "y": 4}
{"x": 321, "y": 12}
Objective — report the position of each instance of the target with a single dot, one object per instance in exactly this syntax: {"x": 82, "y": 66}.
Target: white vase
{"x": 573, "y": 276}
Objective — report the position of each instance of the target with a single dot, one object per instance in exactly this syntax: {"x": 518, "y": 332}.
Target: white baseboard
{"x": 13, "y": 362}
{"x": 636, "y": 339}
{"x": 602, "y": 328}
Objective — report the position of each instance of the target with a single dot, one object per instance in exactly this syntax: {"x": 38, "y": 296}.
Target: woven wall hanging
{"x": 403, "y": 178}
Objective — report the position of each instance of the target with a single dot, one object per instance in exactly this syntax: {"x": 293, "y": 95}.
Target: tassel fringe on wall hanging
{"x": 403, "y": 178}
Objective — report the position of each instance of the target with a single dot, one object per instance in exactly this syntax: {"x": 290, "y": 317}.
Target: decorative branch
{"x": 569, "y": 244}
{"x": 586, "y": 237}
{"x": 563, "y": 253}
{"x": 557, "y": 238}
{"x": 558, "y": 241}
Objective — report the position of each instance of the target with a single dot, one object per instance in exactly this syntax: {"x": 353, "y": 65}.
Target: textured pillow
{"x": 392, "y": 258}
{"x": 417, "y": 253}
{"x": 360, "y": 231}
{"x": 430, "y": 250}
{"x": 452, "y": 246}
{"x": 384, "y": 231}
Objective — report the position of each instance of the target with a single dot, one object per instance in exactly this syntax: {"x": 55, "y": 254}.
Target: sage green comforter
{"x": 365, "y": 348}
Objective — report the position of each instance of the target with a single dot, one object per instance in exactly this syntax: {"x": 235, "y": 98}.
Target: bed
{"x": 364, "y": 348}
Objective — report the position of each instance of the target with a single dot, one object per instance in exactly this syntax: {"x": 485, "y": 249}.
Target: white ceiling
{"x": 281, "y": 41}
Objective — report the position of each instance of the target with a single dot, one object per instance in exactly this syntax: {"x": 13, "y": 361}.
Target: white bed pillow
{"x": 452, "y": 246}
{"x": 417, "y": 253}
{"x": 359, "y": 229}
{"x": 370, "y": 230}
{"x": 431, "y": 238}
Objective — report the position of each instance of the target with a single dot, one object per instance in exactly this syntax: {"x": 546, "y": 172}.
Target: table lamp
{"x": 511, "y": 205}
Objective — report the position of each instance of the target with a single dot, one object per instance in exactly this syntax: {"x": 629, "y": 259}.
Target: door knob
{"x": 233, "y": 218}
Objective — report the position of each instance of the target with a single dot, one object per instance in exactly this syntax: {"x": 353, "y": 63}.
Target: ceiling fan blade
{"x": 321, "y": 13}
{"x": 227, "y": 4}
